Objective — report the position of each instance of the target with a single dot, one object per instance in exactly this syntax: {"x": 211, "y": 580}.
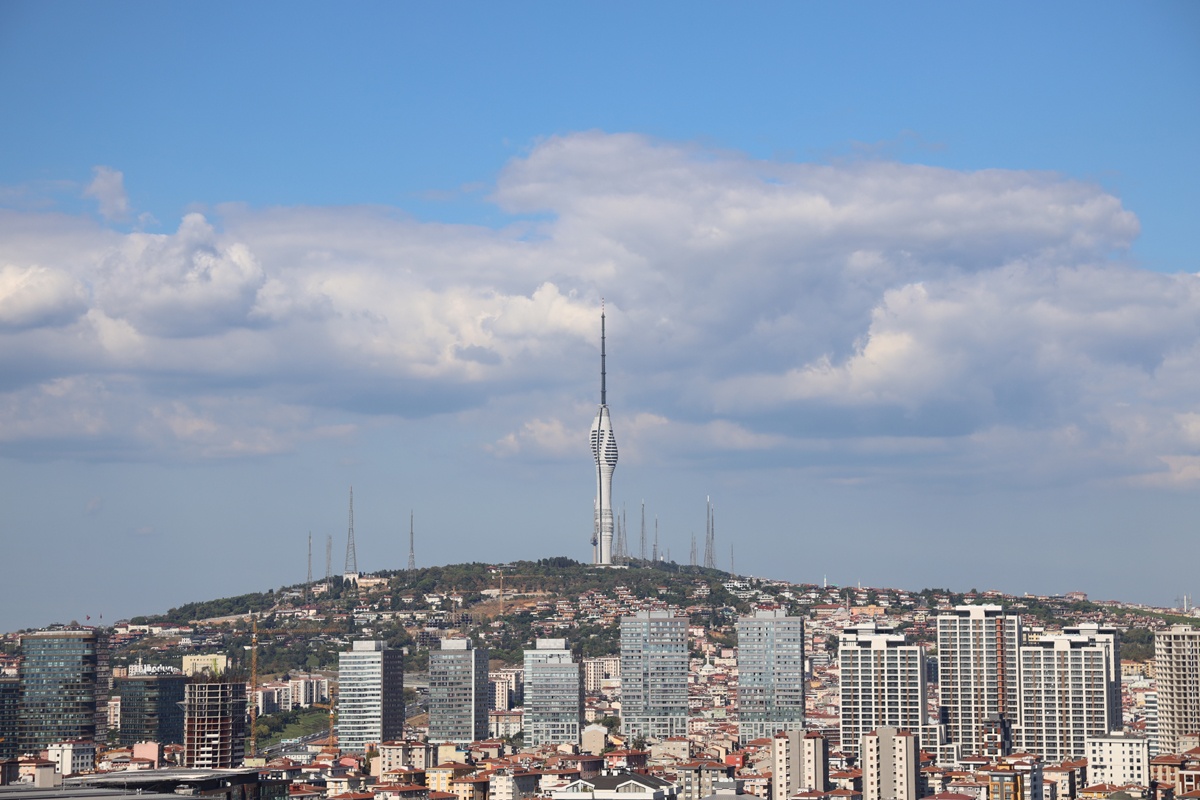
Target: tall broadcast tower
{"x": 604, "y": 451}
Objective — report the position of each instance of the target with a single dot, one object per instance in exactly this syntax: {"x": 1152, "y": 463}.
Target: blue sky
{"x": 910, "y": 290}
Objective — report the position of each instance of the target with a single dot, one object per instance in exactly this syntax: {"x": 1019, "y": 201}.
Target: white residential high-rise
{"x": 770, "y": 661}
{"x": 598, "y": 670}
{"x": 370, "y": 699}
{"x": 882, "y": 683}
{"x": 1118, "y": 758}
{"x": 978, "y": 672}
{"x": 799, "y": 762}
{"x": 458, "y": 692}
{"x": 1177, "y": 680}
{"x": 553, "y": 694}
{"x": 891, "y": 761}
{"x": 1066, "y": 684}
{"x": 1111, "y": 639}
{"x": 604, "y": 453}
{"x": 654, "y": 668}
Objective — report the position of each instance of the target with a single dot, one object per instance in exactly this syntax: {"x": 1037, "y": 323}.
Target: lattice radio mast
{"x": 308, "y": 580}
{"x": 710, "y": 536}
{"x": 412, "y": 553}
{"x": 351, "y": 555}
{"x": 642, "y": 551}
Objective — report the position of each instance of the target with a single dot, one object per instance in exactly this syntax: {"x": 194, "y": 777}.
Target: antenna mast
{"x": 656, "y": 537}
{"x": 710, "y": 536}
{"x": 412, "y": 553}
{"x": 308, "y": 581}
{"x": 351, "y": 555}
{"x": 642, "y": 552}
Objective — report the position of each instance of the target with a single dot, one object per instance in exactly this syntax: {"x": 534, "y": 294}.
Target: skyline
{"x": 911, "y": 293}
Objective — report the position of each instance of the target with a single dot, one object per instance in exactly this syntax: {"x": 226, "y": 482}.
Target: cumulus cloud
{"x": 868, "y": 316}
{"x": 108, "y": 190}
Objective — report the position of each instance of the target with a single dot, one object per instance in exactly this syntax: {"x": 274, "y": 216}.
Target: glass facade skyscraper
{"x": 371, "y": 696}
{"x": 553, "y": 694}
{"x": 654, "y": 668}
{"x": 151, "y": 708}
{"x": 770, "y": 674}
{"x": 58, "y": 678}
{"x": 458, "y": 692}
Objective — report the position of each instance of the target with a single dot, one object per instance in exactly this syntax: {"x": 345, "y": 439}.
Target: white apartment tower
{"x": 978, "y": 672}
{"x": 1118, "y": 758}
{"x": 1066, "y": 689}
{"x": 891, "y": 761}
{"x": 770, "y": 661}
{"x": 370, "y": 699}
{"x": 882, "y": 683}
{"x": 654, "y": 668}
{"x": 604, "y": 453}
{"x": 553, "y": 694}
{"x": 1177, "y": 680}
{"x": 1110, "y": 639}
{"x": 799, "y": 762}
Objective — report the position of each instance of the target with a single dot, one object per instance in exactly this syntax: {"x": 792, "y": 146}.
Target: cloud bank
{"x": 866, "y": 321}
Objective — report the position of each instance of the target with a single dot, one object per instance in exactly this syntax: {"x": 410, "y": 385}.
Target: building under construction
{"x": 214, "y": 724}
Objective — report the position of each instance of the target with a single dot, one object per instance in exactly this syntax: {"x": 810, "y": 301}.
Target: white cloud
{"x": 108, "y": 190}
{"x": 942, "y": 320}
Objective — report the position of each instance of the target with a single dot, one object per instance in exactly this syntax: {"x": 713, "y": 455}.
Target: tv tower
{"x": 351, "y": 571}
{"x": 604, "y": 452}
{"x": 412, "y": 553}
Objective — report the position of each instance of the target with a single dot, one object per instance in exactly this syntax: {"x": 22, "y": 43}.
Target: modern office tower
{"x": 10, "y": 700}
{"x": 1118, "y": 758}
{"x": 978, "y": 671}
{"x": 799, "y": 762}
{"x": 891, "y": 761}
{"x": 151, "y": 708}
{"x": 1177, "y": 680}
{"x": 882, "y": 683}
{"x": 458, "y": 692}
{"x": 604, "y": 453}
{"x": 58, "y": 677}
{"x": 770, "y": 661}
{"x": 1111, "y": 639}
{"x": 654, "y": 666}
{"x": 370, "y": 700}
{"x": 553, "y": 694}
{"x": 1066, "y": 686}
{"x": 214, "y": 724}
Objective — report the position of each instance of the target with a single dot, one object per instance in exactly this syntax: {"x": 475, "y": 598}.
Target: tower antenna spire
{"x": 603, "y": 376}
{"x": 308, "y": 580}
{"x": 351, "y": 572}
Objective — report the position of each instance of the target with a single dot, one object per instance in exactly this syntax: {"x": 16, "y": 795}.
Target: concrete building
{"x": 507, "y": 688}
{"x": 1119, "y": 759}
{"x": 978, "y": 672}
{"x": 1177, "y": 680}
{"x": 1110, "y": 639}
{"x": 654, "y": 671}
{"x": 598, "y": 670}
{"x": 370, "y": 696}
{"x": 59, "y": 688}
{"x": 553, "y": 694}
{"x": 1066, "y": 692}
{"x": 151, "y": 708}
{"x": 458, "y": 692}
{"x": 799, "y": 763}
{"x": 891, "y": 764}
{"x": 883, "y": 683}
{"x": 212, "y": 664}
{"x": 770, "y": 662}
{"x": 73, "y": 758}
{"x": 10, "y": 718}
{"x": 214, "y": 724}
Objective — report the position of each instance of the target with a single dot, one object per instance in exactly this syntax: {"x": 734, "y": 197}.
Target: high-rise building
{"x": 597, "y": 670}
{"x": 1118, "y": 758}
{"x": 553, "y": 694}
{"x": 604, "y": 453}
{"x": 59, "y": 687}
{"x": 891, "y": 763}
{"x": 1110, "y": 639}
{"x": 1066, "y": 686}
{"x": 1177, "y": 680}
{"x": 10, "y": 731}
{"x": 214, "y": 724}
{"x": 770, "y": 661}
{"x": 654, "y": 665}
{"x": 799, "y": 762}
{"x": 882, "y": 683}
{"x": 370, "y": 695}
{"x": 151, "y": 708}
{"x": 458, "y": 692}
{"x": 978, "y": 672}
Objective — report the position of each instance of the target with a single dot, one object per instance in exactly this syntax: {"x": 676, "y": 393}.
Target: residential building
{"x": 59, "y": 687}
{"x": 553, "y": 694}
{"x": 151, "y": 708}
{"x": 883, "y": 683}
{"x": 598, "y": 670}
{"x": 458, "y": 692}
{"x": 214, "y": 724}
{"x": 1177, "y": 680}
{"x": 891, "y": 764}
{"x": 1066, "y": 688}
{"x": 770, "y": 663}
{"x": 978, "y": 672}
{"x": 370, "y": 699}
{"x": 654, "y": 669}
{"x": 1118, "y": 758}
{"x": 73, "y": 757}
{"x": 697, "y": 779}
{"x": 10, "y": 718}
{"x": 799, "y": 762}
{"x": 507, "y": 688}
{"x": 619, "y": 786}
{"x": 1110, "y": 638}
